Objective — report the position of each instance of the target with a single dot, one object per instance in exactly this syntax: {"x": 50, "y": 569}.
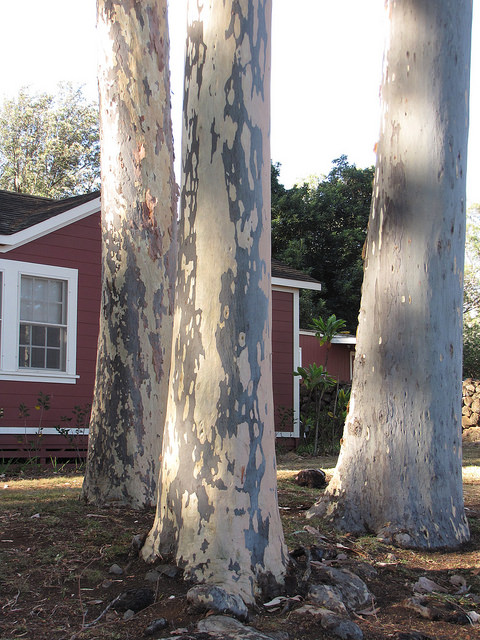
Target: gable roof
{"x": 24, "y": 218}
{"x": 285, "y": 276}
{"x": 19, "y": 211}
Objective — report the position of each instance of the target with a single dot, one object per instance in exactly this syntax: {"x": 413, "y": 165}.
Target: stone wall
{"x": 471, "y": 410}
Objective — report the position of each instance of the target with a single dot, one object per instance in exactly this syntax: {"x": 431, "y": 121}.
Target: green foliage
{"x": 340, "y": 408}
{"x": 315, "y": 377}
{"x": 316, "y": 380}
{"x": 49, "y": 144}
{"x": 320, "y": 228}
{"x": 326, "y": 330}
{"x": 471, "y": 350}
{"x": 471, "y": 300}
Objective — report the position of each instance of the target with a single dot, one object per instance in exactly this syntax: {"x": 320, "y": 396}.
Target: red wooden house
{"x": 50, "y": 284}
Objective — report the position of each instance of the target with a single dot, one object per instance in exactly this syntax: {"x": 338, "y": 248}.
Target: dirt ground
{"x": 56, "y": 553}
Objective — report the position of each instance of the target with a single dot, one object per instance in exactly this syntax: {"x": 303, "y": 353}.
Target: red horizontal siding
{"x": 76, "y": 246}
{"x": 282, "y": 357}
{"x": 336, "y": 357}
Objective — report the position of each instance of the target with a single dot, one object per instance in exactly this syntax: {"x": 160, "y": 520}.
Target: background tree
{"x": 320, "y": 228}
{"x": 139, "y": 198}
{"x": 217, "y": 510}
{"x": 49, "y": 143}
{"x": 471, "y": 301}
{"x": 400, "y": 466}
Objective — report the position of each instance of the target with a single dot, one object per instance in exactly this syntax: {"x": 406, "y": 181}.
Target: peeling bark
{"x": 399, "y": 471}
{"x": 139, "y": 197}
{"x": 217, "y": 510}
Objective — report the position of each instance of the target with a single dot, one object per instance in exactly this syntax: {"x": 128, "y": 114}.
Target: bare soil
{"x": 56, "y": 552}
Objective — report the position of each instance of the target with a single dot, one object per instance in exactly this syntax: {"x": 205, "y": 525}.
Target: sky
{"x": 326, "y": 73}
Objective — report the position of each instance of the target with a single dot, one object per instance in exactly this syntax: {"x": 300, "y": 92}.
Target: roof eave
{"x": 296, "y": 284}
{"x": 9, "y": 242}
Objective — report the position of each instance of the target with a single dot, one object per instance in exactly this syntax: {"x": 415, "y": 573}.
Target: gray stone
{"x": 152, "y": 576}
{"x": 138, "y": 541}
{"x": 336, "y": 624}
{"x": 230, "y": 629}
{"x": 135, "y": 599}
{"x": 155, "y": 626}
{"x": 352, "y": 590}
{"x": 328, "y": 597}
{"x": 115, "y": 570}
{"x": 128, "y": 615}
{"x": 211, "y": 597}
{"x": 312, "y": 478}
{"x": 169, "y": 570}
{"x": 341, "y": 627}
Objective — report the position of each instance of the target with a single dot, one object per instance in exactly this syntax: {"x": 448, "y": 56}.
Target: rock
{"x": 228, "y": 628}
{"x": 425, "y": 585}
{"x": 135, "y": 599}
{"x": 155, "y": 626}
{"x": 138, "y": 541}
{"x": 128, "y": 615}
{"x": 168, "y": 570}
{"x": 420, "y": 606}
{"x": 311, "y": 609}
{"x": 412, "y": 635}
{"x": 459, "y": 617}
{"x": 115, "y": 570}
{"x": 471, "y": 434}
{"x": 351, "y": 589}
{"x": 152, "y": 576}
{"x": 341, "y": 627}
{"x": 327, "y": 597}
{"x": 391, "y": 534}
{"x": 312, "y": 478}
{"x": 211, "y": 597}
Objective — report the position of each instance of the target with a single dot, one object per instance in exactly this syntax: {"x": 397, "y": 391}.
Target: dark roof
{"x": 280, "y": 270}
{"x": 19, "y": 211}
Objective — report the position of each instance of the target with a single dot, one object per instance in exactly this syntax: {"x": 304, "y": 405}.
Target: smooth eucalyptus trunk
{"x": 138, "y": 197}
{"x": 217, "y": 510}
{"x": 400, "y": 468}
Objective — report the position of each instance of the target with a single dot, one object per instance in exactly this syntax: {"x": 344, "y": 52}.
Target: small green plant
{"x": 33, "y": 445}
{"x": 316, "y": 380}
{"x": 340, "y": 411}
{"x": 80, "y": 418}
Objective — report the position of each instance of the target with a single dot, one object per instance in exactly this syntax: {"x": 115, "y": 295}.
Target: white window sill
{"x": 46, "y": 431}
{"x": 48, "y": 375}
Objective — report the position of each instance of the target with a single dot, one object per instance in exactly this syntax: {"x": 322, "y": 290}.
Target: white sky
{"x": 326, "y": 72}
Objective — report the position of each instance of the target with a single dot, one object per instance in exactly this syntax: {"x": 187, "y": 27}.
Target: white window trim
{"x": 9, "y": 369}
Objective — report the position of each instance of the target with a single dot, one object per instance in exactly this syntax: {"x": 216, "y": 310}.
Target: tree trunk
{"x": 139, "y": 197}
{"x": 400, "y": 467}
{"x": 217, "y": 509}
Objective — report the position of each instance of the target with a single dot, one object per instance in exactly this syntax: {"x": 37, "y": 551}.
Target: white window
{"x": 38, "y": 317}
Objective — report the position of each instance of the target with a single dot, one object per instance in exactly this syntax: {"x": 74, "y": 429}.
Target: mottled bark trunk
{"x": 138, "y": 254}
{"x": 217, "y": 509}
{"x": 400, "y": 465}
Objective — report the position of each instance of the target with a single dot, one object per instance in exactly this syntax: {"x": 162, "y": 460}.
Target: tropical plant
{"x": 316, "y": 380}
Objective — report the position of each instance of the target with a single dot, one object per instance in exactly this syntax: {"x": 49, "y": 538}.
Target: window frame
{"x": 12, "y": 271}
